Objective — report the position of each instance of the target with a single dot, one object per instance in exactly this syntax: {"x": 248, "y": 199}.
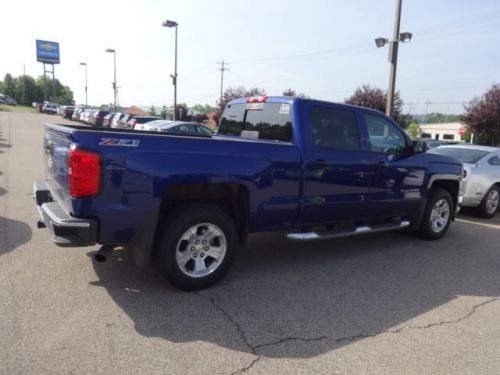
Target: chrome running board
{"x": 308, "y": 236}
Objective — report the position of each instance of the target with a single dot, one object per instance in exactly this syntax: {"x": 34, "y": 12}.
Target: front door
{"x": 397, "y": 176}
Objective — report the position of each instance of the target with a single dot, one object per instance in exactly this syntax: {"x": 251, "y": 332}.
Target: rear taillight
{"x": 84, "y": 172}
{"x": 132, "y": 124}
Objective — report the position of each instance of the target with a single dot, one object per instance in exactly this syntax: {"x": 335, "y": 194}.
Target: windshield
{"x": 464, "y": 155}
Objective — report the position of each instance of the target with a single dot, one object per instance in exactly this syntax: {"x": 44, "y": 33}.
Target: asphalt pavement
{"x": 386, "y": 303}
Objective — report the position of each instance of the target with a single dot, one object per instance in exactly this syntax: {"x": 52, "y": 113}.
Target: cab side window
{"x": 384, "y": 136}
{"x": 334, "y": 129}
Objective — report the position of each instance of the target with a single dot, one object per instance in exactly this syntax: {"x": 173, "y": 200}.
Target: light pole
{"x": 86, "y": 97}
{"x": 393, "y": 55}
{"x": 109, "y": 50}
{"x": 168, "y": 23}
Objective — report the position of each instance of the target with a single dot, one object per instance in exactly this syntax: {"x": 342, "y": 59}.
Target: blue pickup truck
{"x": 311, "y": 168}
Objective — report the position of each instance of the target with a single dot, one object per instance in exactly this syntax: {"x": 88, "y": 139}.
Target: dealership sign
{"x": 47, "y": 52}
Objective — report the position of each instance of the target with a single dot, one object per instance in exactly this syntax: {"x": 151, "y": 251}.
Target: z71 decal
{"x": 119, "y": 142}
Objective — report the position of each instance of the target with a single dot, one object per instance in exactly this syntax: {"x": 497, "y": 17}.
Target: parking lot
{"x": 385, "y": 303}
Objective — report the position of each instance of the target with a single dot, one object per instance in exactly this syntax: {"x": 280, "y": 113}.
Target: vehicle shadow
{"x": 312, "y": 297}
{"x": 13, "y": 233}
{"x": 2, "y": 190}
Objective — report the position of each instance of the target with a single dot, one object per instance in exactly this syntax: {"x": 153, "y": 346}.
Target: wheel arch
{"x": 232, "y": 198}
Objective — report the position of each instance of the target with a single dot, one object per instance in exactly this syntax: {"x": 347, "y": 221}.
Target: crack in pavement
{"x": 238, "y": 328}
{"x": 254, "y": 348}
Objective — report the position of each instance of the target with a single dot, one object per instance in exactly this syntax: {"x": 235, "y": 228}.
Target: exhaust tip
{"x": 101, "y": 258}
{"x": 103, "y": 254}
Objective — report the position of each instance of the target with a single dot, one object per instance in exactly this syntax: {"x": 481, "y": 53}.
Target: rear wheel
{"x": 197, "y": 246}
{"x": 489, "y": 204}
{"x": 437, "y": 216}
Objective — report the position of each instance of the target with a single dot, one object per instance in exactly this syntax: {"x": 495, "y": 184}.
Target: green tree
{"x": 482, "y": 115}
{"x": 163, "y": 112}
{"x": 26, "y": 90}
{"x": 292, "y": 92}
{"x": 437, "y": 118}
{"x": 181, "y": 113}
{"x": 376, "y": 98}
{"x": 413, "y": 130}
{"x": 63, "y": 94}
{"x": 152, "y": 111}
{"x": 203, "y": 109}
{"x": 9, "y": 86}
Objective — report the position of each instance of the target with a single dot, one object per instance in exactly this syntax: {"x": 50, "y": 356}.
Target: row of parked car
{"x": 122, "y": 120}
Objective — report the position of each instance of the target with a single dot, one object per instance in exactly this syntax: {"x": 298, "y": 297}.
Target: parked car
{"x": 481, "y": 181}
{"x": 133, "y": 122}
{"x": 77, "y": 113}
{"x": 115, "y": 123}
{"x": 152, "y": 125}
{"x": 106, "y": 122}
{"x": 92, "y": 116}
{"x": 49, "y": 108}
{"x": 311, "y": 168}
{"x": 68, "y": 111}
{"x": 84, "y": 116}
{"x": 98, "y": 117}
{"x": 432, "y": 143}
{"x": 6, "y": 99}
{"x": 184, "y": 127}
{"x": 124, "y": 120}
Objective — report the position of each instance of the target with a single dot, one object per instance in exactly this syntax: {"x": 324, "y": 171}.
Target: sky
{"x": 323, "y": 48}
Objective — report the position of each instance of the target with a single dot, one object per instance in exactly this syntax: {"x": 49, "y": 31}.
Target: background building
{"x": 448, "y": 132}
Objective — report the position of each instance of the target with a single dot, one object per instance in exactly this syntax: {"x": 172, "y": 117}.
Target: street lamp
{"x": 86, "y": 97}
{"x": 393, "y": 55}
{"x": 110, "y": 50}
{"x": 171, "y": 24}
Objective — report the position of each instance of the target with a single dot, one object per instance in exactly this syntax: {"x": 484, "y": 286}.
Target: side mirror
{"x": 419, "y": 146}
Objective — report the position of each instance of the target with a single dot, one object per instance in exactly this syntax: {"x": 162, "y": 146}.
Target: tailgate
{"x": 56, "y": 145}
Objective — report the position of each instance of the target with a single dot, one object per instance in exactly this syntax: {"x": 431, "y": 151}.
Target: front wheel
{"x": 437, "y": 216}
{"x": 197, "y": 246}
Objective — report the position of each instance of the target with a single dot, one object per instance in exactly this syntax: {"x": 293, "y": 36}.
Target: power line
{"x": 428, "y": 34}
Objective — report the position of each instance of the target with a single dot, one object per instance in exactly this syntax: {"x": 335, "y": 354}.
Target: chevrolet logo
{"x": 48, "y": 46}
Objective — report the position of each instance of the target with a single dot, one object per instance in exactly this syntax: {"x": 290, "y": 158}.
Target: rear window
{"x": 270, "y": 121}
{"x": 464, "y": 155}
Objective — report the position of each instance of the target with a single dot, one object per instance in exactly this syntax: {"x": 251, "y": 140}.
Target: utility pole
{"x": 170, "y": 24}
{"x": 222, "y": 69}
{"x": 393, "y": 60}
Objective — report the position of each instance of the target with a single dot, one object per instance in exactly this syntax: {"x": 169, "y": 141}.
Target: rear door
{"x": 336, "y": 176}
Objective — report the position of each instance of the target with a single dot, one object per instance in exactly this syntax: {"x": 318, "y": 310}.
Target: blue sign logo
{"x": 47, "y": 52}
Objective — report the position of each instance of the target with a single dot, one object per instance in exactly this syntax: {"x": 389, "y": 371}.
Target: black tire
{"x": 172, "y": 230}
{"x": 426, "y": 228}
{"x": 483, "y": 210}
